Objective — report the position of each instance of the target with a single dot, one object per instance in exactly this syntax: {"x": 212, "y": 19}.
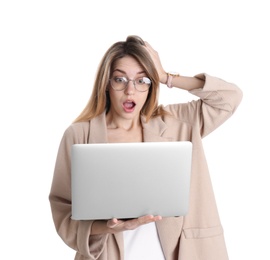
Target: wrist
{"x": 163, "y": 78}
{"x": 170, "y": 77}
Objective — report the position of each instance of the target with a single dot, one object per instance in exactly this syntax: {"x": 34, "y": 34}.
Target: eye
{"x": 120, "y": 79}
{"x": 143, "y": 80}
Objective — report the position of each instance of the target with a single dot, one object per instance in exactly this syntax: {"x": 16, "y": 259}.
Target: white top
{"x": 142, "y": 243}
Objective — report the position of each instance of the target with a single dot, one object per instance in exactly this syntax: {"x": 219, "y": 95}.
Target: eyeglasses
{"x": 140, "y": 84}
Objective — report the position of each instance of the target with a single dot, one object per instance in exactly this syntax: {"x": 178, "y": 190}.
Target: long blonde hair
{"x": 100, "y": 100}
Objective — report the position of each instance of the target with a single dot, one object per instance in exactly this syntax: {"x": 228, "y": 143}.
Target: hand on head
{"x": 155, "y": 57}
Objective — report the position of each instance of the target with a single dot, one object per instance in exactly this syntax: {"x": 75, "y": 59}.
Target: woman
{"x": 124, "y": 108}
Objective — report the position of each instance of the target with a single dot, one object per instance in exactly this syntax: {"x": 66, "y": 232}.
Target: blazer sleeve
{"x": 76, "y": 234}
{"x": 218, "y": 100}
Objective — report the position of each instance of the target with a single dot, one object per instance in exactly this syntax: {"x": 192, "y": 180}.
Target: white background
{"x": 49, "y": 53}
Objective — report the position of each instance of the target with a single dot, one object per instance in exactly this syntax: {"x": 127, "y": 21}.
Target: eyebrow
{"x": 118, "y": 70}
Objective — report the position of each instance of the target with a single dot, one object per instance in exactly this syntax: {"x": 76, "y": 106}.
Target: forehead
{"x": 128, "y": 64}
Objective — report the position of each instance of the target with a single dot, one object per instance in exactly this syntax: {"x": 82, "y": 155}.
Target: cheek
{"x": 113, "y": 96}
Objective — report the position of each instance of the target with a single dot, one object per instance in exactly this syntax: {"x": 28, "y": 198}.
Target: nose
{"x": 130, "y": 88}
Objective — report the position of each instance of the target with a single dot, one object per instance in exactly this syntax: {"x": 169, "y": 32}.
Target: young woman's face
{"x": 127, "y": 103}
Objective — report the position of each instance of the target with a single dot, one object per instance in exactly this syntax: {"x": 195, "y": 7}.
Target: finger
{"x": 146, "y": 43}
{"x": 148, "y": 219}
{"x": 145, "y": 219}
{"x": 148, "y": 46}
{"x": 112, "y": 223}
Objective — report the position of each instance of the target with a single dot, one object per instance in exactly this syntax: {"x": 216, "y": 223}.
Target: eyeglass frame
{"x": 134, "y": 83}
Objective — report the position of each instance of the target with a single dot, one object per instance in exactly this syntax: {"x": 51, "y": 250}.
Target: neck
{"x": 126, "y": 124}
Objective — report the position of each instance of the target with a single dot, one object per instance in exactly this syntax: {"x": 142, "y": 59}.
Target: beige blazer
{"x": 197, "y": 236}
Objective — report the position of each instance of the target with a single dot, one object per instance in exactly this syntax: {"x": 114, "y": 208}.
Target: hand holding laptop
{"x": 117, "y": 225}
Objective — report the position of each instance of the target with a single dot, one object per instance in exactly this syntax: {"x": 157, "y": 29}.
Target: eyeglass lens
{"x": 141, "y": 84}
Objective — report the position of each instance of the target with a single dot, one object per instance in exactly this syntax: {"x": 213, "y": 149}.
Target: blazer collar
{"x": 98, "y": 129}
{"x": 153, "y": 130}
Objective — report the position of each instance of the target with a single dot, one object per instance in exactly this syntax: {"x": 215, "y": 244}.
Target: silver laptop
{"x": 128, "y": 180}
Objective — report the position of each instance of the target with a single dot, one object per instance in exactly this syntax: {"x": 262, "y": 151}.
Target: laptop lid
{"x": 128, "y": 180}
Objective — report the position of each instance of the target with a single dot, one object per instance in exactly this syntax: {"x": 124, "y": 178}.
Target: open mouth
{"x": 129, "y": 105}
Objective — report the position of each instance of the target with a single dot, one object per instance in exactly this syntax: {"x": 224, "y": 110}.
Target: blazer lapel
{"x": 154, "y": 129}
{"x": 98, "y": 129}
